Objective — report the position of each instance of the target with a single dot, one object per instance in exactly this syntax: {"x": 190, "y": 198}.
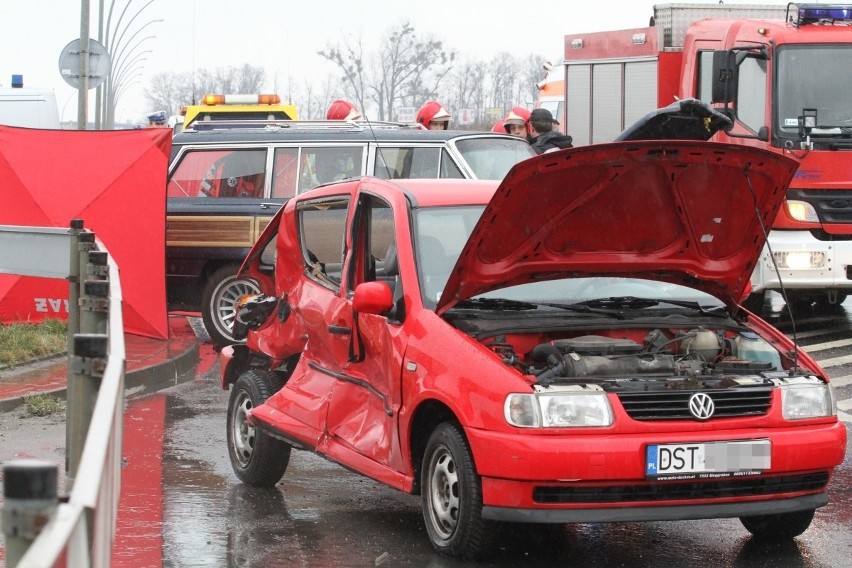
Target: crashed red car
{"x": 566, "y": 347}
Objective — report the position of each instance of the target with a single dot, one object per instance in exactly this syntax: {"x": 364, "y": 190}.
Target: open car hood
{"x": 684, "y": 212}
{"x": 688, "y": 119}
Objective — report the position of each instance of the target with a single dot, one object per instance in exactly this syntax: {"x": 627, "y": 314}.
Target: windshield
{"x": 817, "y": 77}
{"x": 492, "y": 158}
{"x": 440, "y": 233}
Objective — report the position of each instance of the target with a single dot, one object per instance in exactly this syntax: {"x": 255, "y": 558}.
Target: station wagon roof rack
{"x": 326, "y": 125}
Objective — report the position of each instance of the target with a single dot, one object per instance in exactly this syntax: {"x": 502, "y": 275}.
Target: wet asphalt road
{"x": 321, "y": 515}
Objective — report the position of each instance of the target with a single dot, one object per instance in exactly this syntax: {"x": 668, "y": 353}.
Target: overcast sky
{"x": 283, "y": 36}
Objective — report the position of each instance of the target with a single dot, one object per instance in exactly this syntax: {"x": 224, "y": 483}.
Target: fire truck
{"x": 784, "y": 75}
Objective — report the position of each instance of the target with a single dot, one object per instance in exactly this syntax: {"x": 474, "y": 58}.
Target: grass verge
{"x": 22, "y": 342}
{"x": 43, "y": 405}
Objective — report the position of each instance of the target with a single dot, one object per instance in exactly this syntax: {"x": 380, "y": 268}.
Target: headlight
{"x": 558, "y": 410}
{"x": 800, "y": 260}
{"x": 808, "y": 401}
{"x": 802, "y": 211}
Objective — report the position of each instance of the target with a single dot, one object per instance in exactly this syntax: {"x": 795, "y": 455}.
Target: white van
{"x": 32, "y": 108}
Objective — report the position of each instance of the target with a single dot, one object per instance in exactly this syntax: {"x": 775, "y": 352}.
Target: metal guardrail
{"x": 42, "y": 530}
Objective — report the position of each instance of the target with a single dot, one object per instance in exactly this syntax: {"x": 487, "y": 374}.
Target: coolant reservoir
{"x": 704, "y": 343}
{"x": 751, "y": 347}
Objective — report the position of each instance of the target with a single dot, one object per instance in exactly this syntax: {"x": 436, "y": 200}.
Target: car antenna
{"x": 795, "y": 353}
{"x": 379, "y": 149}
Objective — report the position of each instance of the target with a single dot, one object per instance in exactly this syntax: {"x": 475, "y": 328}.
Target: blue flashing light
{"x": 814, "y": 13}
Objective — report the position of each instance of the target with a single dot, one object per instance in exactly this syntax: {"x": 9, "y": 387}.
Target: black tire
{"x": 218, "y": 302}
{"x": 782, "y": 526}
{"x": 257, "y": 458}
{"x": 451, "y": 494}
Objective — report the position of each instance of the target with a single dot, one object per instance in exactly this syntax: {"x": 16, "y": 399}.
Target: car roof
{"x": 339, "y": 132}
{"x": 442, "y": 192}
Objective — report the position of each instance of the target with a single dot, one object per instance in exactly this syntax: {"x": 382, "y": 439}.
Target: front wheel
{"x": 257, "y": 458}
{"x": 778, "y": 527}
{"x": 224, "y": 289}
{"x": 452, "y": 495}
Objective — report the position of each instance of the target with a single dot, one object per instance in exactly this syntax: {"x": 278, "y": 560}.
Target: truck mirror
{"x": 725, "y": 74}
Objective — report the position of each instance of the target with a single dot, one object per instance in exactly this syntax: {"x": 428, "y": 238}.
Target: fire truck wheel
{"x": 219, "y": 300}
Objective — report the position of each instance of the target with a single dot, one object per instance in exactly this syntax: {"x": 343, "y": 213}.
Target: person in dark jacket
{"x": 542, "y": 136}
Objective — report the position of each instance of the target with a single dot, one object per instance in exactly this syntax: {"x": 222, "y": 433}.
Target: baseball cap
{"x": 542, "y": 115}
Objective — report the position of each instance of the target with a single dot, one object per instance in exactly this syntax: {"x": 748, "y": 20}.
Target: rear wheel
{"x": 778, "y": 527}
{"x": 452, "y": 495}
{"x": 219, "y": 302}
{"x": 257, "y": 458}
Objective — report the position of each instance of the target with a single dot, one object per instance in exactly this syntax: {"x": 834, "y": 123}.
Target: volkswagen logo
{"x": 701, "y": 406}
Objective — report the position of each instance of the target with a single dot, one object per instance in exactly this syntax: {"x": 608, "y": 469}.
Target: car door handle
{"x": 339, "y": 330}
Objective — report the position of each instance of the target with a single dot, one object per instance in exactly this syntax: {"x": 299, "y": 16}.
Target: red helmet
{"x": 499, "y": 127}
{"x": 433, "y": 111}
{"x": 342, "y": 110}
{"x": 518, "y": 115}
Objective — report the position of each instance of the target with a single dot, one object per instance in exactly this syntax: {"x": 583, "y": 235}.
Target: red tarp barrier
{"x": 115, "y": 181}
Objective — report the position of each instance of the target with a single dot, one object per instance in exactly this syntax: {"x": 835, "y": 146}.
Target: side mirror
{"x": 372, "y": 298}
{"x": 725, "y": 73}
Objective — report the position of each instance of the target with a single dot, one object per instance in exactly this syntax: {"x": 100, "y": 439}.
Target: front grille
{"x": 676, "y": 490}
{"x": 832, "y": 206}
{"x": 674, "y": 404}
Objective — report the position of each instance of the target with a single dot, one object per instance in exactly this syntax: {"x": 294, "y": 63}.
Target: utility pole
{"x": 83, "y": 93}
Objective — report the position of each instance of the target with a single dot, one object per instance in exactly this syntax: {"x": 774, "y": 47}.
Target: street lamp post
{"x": 121, "y": 54}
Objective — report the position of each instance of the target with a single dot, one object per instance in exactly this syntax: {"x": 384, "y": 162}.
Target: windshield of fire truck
{"x": 816, "y": 77}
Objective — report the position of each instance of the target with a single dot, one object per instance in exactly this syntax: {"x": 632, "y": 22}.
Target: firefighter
{"x": 433, "y": 116}
{"x": 341, "y": 109}
{"x": 516, "y": 122}
{"x": 542, "y": 136}
{"x": 499, "y": 127}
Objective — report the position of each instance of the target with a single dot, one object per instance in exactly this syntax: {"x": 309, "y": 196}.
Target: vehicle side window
{"x": 219, "y": 173}
{"x": 285, "y": 172}
{"x": 328, "y": 164}
{"x": 705, "y": 76}
{"x": 374, "y": 250}
{"x": 751, "y": 93}
{"x": 322, "y": 228}
{"x": 449, "y": 169}
{"x": 404, "y": 163}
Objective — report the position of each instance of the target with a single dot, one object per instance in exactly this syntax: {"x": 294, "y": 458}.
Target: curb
{"x": 178, "y": 368}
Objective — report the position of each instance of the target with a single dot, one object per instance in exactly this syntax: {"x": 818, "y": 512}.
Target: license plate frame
{"x": 708, "y": 459}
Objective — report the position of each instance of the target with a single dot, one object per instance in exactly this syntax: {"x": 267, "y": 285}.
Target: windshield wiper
{"x": 634, "y": 303}
{"x": 495, "y": 304}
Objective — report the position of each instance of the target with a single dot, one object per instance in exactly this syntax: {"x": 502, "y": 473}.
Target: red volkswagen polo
{"x": 566, "y": 347}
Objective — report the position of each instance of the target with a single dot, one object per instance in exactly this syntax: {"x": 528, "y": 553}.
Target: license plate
{"x": 707, "y": 459}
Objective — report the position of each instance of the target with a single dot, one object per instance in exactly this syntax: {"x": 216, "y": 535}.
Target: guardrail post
{"x": 74, "y": 281}
{"x": 29, "y": 492}
{"x": 87, "y": 367}
{"x": 85, "y": 242}
{"x": 87, "y": 358}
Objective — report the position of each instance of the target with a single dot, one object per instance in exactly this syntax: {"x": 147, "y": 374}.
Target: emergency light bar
{"x": 212, "y": 100}
{"x": 799, "y": 14}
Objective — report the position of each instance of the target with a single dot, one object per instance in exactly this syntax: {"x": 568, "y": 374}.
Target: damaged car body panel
{"x": 566, "y": 347}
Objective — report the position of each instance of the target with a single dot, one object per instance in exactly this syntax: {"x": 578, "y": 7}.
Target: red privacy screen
{"x": 115, "y": 181}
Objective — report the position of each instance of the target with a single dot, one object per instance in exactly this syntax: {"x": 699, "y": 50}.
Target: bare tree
{"x": 170, "y": 90}
{"x": 406, "y": 68}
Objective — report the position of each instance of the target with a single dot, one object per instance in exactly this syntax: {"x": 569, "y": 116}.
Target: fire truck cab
{"x": 783, "y": 74}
